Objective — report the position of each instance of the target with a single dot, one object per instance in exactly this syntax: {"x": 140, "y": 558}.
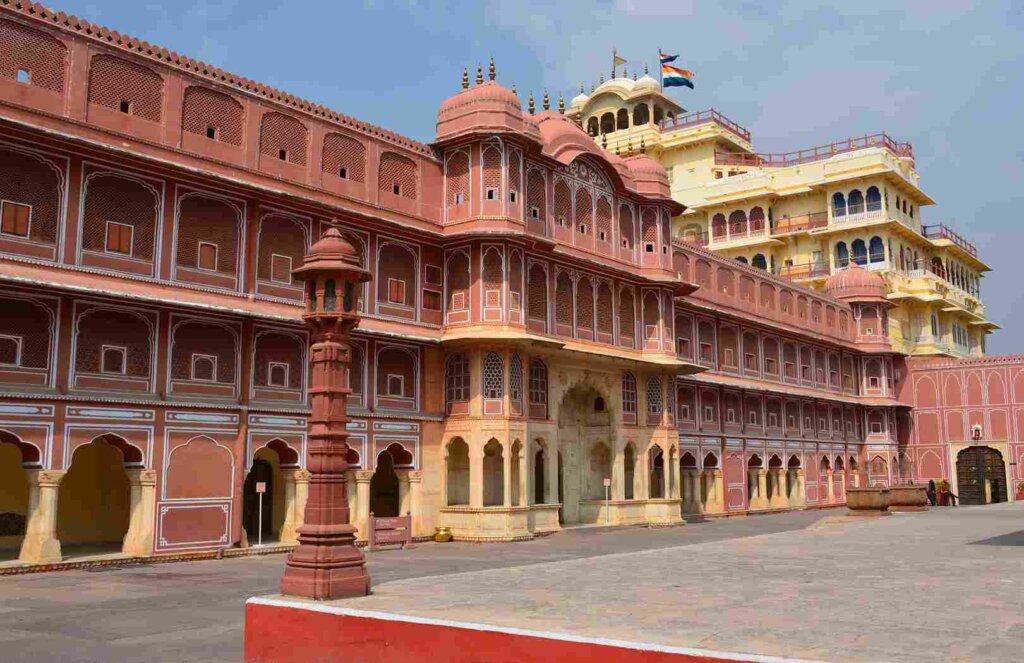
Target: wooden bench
{"x": 390, "y": 531}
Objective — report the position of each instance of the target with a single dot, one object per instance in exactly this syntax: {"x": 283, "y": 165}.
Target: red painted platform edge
{"x": 283, "y": 630}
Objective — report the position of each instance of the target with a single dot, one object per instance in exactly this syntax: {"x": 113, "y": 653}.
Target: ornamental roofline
{"x": 114, "y": 39}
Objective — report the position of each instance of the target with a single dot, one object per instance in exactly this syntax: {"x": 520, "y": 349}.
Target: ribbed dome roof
{"x": 488, "y": 94}
{"x": 647, "y": 82}
{"x": 856, "y": 283}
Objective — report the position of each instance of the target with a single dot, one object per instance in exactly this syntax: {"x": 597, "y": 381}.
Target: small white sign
{"x": 607, "y": 482}
{"x": 261, "y": 486}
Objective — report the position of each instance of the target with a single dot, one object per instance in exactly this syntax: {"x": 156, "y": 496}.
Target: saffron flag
{"x": 676, "y": 77}
{"x": 617, "y": 60}
{"x": 666, "y": 58}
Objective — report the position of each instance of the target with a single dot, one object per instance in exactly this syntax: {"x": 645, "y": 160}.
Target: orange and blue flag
{"x": 676, "y": 77}
{"x": 666, "y": 58}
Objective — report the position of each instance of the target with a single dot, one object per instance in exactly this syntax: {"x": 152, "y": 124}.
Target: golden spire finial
{"x": 604, "y": 141}
{"x": 643, "y": 146}
{"x": 591, "y": 88}
{"x": 530, "y": 106}
{"x": 629, "y": 145}
{"x": 645, "y": 70}
{"x": 616, "y": 149}
{"x": 547, "y": 101}
{"x": 602, "y": 79}
{"x": 634, "y": 75}
{"x": 581, "y": 88}
{"x": 490, "y": 70}
{"x": 465, "y": 78}
{"x": 479, "y": 74}
{"x": 514, "y": 89}
{"x": 561, "y": 104}
{"x": 625, "y": 72}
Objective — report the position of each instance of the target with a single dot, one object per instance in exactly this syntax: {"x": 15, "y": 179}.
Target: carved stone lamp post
{"x": 326, "y": 564}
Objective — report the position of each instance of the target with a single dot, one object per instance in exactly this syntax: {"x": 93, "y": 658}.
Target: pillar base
{"x": 326, "y": 565}
{"x": 40, "y": 550}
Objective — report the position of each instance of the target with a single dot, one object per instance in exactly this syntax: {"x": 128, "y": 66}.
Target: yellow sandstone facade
{"x": 804, "y": 215}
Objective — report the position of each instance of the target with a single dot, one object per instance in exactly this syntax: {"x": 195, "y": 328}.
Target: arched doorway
{"x": 561, "y": 491}
{"x": 539, "y": 462}
{"x": 494, "y": 474}
{"x": 657, "y": 474}
{"x": 584, "y": 420}
{"x": 94, "y": 500}
{"x": 14, "y": 492}
{"x": 384, "y": 488}
{"x": 267, "y": 469}
{"x": 515, "y": 474}
{"x": 630, "y": 471}
{"x": 457, "y": 472}
{"x": 980, "y": 476}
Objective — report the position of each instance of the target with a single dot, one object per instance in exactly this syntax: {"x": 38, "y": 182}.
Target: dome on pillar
{"x": 855, "y": 283}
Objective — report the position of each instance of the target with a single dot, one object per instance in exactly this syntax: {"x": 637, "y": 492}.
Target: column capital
{"x": 45, "y": 477}
{"x": 363, "y": 476}
{"x": 415, "y": 476}
{"x": 141, "y": 477}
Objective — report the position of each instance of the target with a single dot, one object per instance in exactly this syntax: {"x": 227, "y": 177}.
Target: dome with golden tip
{"x": 488, "y": 107}
{"x": 856, "y": 283}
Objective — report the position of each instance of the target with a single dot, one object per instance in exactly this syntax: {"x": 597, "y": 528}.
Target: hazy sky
{"x": 947, "y": 76}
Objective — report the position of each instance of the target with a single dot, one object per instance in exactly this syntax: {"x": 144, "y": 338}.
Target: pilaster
{"x": 142, "y": 519}
{"x": 41, "y": 545}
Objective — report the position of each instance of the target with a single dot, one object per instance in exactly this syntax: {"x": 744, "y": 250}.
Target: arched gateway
{"x": 981, "y": 476}
{"x": 585, "y": 442}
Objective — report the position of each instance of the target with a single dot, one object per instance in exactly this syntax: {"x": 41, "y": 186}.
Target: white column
{"x": 142, "y": 519}
{"x": 41, "y": 545}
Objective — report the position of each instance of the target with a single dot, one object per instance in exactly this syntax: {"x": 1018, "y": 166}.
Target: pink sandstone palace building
{"x": 537, "y": 347}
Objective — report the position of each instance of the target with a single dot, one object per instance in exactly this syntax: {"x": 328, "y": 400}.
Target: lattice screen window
{"x": 655, "y": 395}
{"x": 207, "y": 256}
{"x": 515, "y": 166}
{"x": 627, "y": 313}
{"x": 280, "y": 268}
{"x": 604, "y": 309}
{"x": 17, "y": 219}
{"x": 344, "y": 157}
{"x": 283, "y": 137}
{"x": 458, "y": 282}
{"x": 626, "y": 235}
{"x": 277, "y": 374}
{"x": 515, "y": 378}
{"x": 494, "y": 376}
{"x": 213, "y": 115}
{"x": 604, "y": 220}
{"x": 355, "y": 370}
{"x": 650, "y": 230}
{"x": 537, "y": 293}
{"x": 458, "y": 177}
{"x": 536, "y": 194}
{"x": 515, "y": 281}
{"x": 397, "y": 175}
{"x": 563, "y": 204}
{"x": 28, "y": 324}
{"x": 32, "y": 180}
{"x": 125, "y": 87}
{"x": 120, "y": 215}
{"x": 585, "y": 304}
{"x": 281, "y": 361}
{"x": 32, "y": 57}
{"x": 538, "y": 382}
{"x": 456, "y": 378}
{"x": 584, "y": 212}
{"x": 563, "y": 299}
{"x": 628, "y": 393}
{"x": 493, "y": 278}
{"x": 492, "y": 172}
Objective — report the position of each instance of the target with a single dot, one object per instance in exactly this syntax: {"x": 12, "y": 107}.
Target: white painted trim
{"x": 328, "y": 609}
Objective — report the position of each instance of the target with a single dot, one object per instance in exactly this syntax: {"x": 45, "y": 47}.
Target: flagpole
{"x": 615, "y": 57}
{"x": 661, "y": 74}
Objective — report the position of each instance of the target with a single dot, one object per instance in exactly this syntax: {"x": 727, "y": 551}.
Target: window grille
{"x": 494, "y": 376}
{"x": 515, "y": 378}
{"x": 655, "y": 396}
{"x": 457, "y": 378}
{"x": 538, "y": 382}
{"x": 628, "y": 393}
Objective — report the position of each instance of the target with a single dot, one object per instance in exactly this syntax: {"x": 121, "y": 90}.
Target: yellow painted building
{"x": 804, "y": 214}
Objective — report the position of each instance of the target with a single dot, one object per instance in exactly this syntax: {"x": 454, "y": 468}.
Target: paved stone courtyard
{"x": 805, "y": 584}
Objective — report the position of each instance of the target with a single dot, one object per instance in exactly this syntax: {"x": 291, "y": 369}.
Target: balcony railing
{"x": 869, "y": 260}
{"x": 940, "y": 231}
{"x": 817, "y": 153}
{"x": 807, "y": 270}
{"x": 857, "y": 213}
{"x": 703, "y": 117}
{"x": 698, "y": 239}
{"x": 800, "y": 223}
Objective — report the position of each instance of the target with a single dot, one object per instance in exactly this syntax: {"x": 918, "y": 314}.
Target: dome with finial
{"x": 649, "y": 175}
{"x": 487, "y": 106}
{"x": 854, "y": 283}
{"x": 647, "y": 83}
{"x": 579, "y": 100}
{"x": 332, "y": 252}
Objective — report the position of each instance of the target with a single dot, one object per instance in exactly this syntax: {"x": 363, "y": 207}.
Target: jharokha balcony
{"x": 804, "y": 270}
{"x": 704, "y": 117}
{"x": 817, "y": 153}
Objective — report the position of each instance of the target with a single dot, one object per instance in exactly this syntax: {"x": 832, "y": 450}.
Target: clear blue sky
{"x": 946, "y": 75}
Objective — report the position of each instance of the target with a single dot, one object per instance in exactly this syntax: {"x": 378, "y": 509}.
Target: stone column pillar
{"x": 403, "y": 492}
{"x": 506, "y": 475}
{"x": 754, "y": 486}
{"x": 524, "y": 477}
{"x": 41, "y": 545}
{"x": 779, "y": 499}
{"x": 831, "y": 487}
{"x": 666, "y": 475}
{"x": 415, "y": 501}
{"x": 801, "y": 489}
{"x": 551, "y": 474}
{"x": 716, "y": 493}
{"x": 619, "y": 474}
{"x": 142, "y": 509}
{"x": 287, "y": 534}
{"x": 696, "y": 487}
{"x": 476, "y": 475}
{"x": 362, "y": 519}
{"x": 762, "y": 488}
{"x": 840, "y": 476}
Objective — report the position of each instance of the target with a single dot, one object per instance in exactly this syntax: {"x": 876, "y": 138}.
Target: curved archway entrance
{"x": 269, "y": 465}
{"x": 981, "y": 476}
{"x": 14, "y": 500}
{"x": 94, "y": 502}
{"x": 384, "y": 502}
{"x": 585, "y": 459}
